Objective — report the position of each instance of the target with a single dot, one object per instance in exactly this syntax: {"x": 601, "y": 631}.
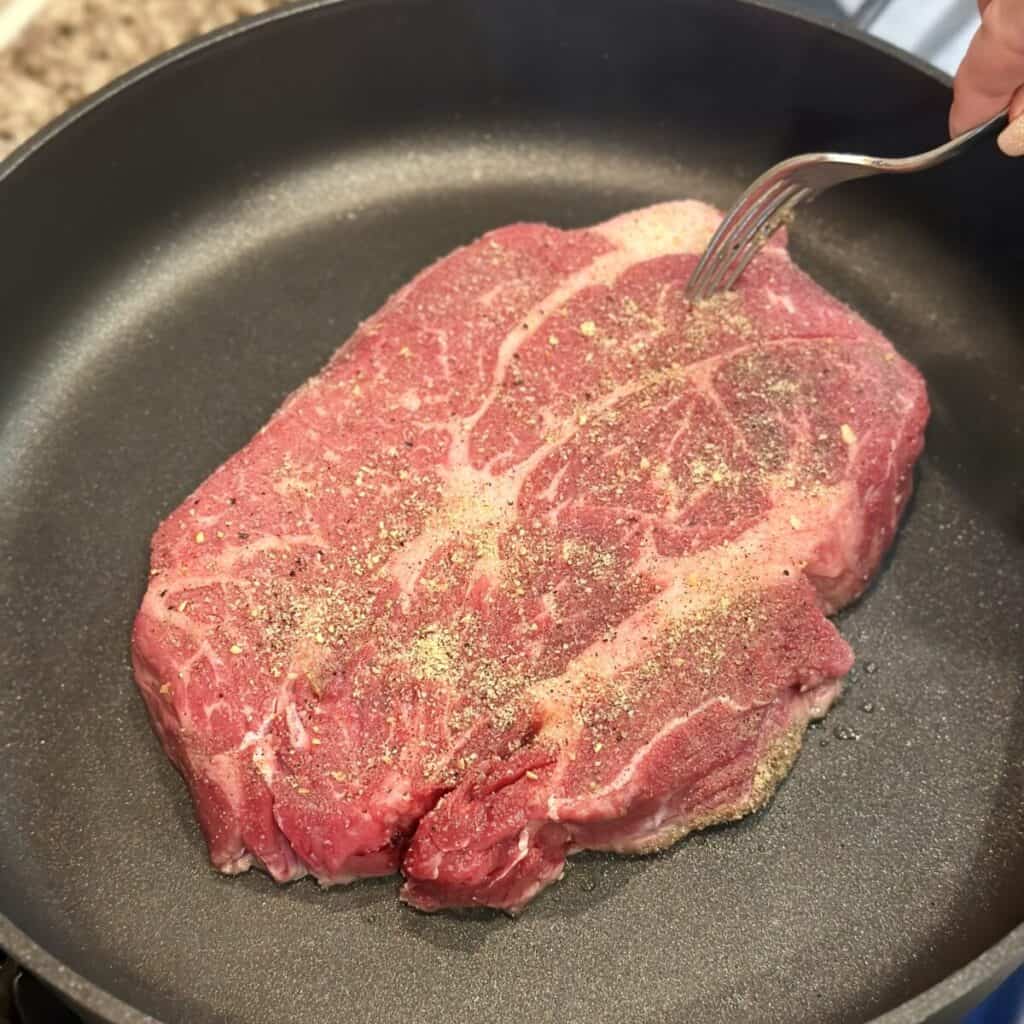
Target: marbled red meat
{"x": 540, "y": 562}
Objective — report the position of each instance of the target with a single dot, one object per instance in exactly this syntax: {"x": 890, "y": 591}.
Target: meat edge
{"x": 769, "y": 771}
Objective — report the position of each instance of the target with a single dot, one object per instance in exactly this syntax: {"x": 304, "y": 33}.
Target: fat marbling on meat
{"x": 540, "y": 562}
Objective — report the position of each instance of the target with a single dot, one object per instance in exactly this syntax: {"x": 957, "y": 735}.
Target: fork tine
{"x": 755, "y": 216}
{"x": 717, "y": 249}
{"x": 723, "y": 245}
{"x": 714, "y": 249}
{"x": 745, "y": 233}
{"x": 767, "y": 227}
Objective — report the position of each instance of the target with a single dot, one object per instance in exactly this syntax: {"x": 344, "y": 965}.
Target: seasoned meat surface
{"x": 540, "y": 562}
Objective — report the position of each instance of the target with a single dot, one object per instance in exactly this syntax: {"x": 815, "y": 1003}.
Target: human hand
{"x": 992, "y": 74}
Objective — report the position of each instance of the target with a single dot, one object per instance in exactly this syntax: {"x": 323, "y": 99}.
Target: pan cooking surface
{"x": 218, "y": 277}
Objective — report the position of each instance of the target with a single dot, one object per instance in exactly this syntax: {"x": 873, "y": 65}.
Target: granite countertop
{"x": 73, "y": 47}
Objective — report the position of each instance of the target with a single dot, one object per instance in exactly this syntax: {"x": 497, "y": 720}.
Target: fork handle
{"x": 953, "y": 148}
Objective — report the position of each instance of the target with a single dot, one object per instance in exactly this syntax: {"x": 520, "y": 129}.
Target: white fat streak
{"x": 443, "y": 359}
{"x": 741, "y": 561}
{"x": 393, "y": 793}
{"x": 163, "y": 611}
{"x": 522, "y": 851}
{"x": 264, "y": 760}
{"x": 233, "y": 553}
{"x": 293, "y": 484}
{"x": 477, "y": 500}
{"x": 254, "y": 736}
{"x": 224, "y": 771}
{"x": 625, "y": 776}
{"x": 676, "y": 228}
{"x": 225, "y": 560}
{"x": 296, "y": 730}
{"x": 484, "y": 500}
{"x": 670, "y": 228}
{"x": 264, "y": 756}
{"x": 666, "y": 229}
{"x": 432, "y": 868}
{"x": 551, "y": 491}
{"x": 663, "y": 230}
{"x": 776, "y": 299}
{"x": 820, "y": 697}
{"x": 178, "y": 582}
{"x": 665, "y": 821}
{"x": 735, "y": 567}
{"x": 489, "y": 298}
{"x": 236, "y": 865}
{"x": 210, "y": 709}
{"x": 553, "y": 873}
{"x": 603, "y": 271}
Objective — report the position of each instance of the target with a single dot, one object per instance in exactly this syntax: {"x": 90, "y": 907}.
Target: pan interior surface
{"x": 180, "y": 257}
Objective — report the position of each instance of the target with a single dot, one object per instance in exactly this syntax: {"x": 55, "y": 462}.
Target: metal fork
{"x": 772, "y": 199}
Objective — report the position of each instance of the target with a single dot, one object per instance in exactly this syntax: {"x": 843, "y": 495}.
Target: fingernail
{"x": 1011, "y": 141}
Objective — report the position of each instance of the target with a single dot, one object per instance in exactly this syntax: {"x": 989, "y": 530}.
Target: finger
{"x": 1017, "y": 105}
{"x": 1011, "y": 141}
{"x": 993, "y": 68}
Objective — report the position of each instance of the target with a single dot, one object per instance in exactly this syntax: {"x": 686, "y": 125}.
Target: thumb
{"x": 992, "y": 72}
{"x": 1011, "y": 141}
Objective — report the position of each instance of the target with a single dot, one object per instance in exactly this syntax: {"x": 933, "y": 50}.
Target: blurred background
{"x": 54, "y": 53}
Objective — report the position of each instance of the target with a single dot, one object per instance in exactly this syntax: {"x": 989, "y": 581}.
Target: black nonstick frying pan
{"x": 181, "y": 252}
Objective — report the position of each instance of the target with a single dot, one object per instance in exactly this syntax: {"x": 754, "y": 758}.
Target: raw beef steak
{"x": 540, "y": 562}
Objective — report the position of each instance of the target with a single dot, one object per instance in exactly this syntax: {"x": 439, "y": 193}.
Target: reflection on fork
{"x": 772, "y": 199}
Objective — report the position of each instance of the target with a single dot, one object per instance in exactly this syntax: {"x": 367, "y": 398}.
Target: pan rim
{"x": 976, "y": 978}
{"x": 137, "y": 75}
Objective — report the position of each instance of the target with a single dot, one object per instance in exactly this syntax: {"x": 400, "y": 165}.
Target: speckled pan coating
{"x": 180, "y": 257}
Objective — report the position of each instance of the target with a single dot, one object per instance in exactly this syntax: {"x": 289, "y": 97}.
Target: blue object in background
{"x": 1004, "y": 1006}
